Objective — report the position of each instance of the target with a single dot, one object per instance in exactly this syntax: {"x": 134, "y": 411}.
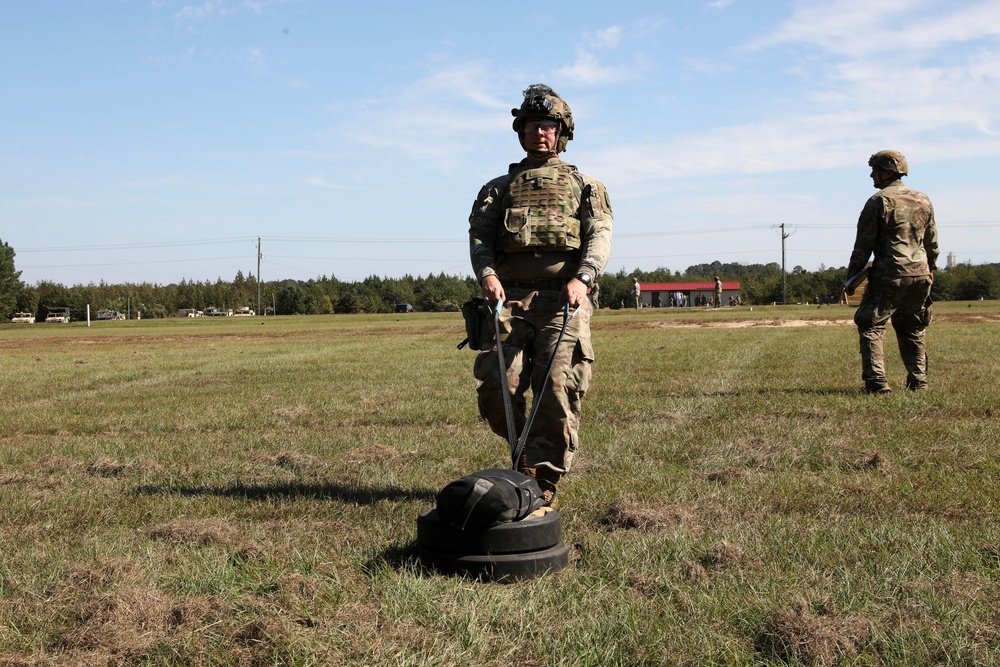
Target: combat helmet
{"x": 890, "y": 160}
{"x": 541, "y": 102}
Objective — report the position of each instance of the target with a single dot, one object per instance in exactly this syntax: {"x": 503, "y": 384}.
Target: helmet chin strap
{"x": 539, "y": 155}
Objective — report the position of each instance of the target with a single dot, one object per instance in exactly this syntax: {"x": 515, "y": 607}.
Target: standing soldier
{"x": 897, "y": 226}
{"x": 539, "y": 236}
{"x": 637, "y": 292}
{"x": 718, "y": 292}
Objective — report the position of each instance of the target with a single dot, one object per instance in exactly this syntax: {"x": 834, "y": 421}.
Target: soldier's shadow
{"x": 359, "y": 495}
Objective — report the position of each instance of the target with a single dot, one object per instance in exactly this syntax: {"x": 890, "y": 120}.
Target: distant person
{"x": 897, "y": 226}
{"x": 718, "y": 292}
{"x": 539, "y": 235}
{"x": 637, "y": 292}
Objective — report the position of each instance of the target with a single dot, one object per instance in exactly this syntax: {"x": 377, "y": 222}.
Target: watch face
{"x": 584, "y": 278}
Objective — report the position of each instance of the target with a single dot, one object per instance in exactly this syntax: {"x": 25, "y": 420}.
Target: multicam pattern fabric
{"x": 491, "y": 237}
{"x": 529, "y": 327}
{"x": 542, "y": 210}
{"x": 540, "y": 222}
{"x": 897, "y": 226}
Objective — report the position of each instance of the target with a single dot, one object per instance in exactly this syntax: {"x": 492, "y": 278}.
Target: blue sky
{"x": 157, "y": 140}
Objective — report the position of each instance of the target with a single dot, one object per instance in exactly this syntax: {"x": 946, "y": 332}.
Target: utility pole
{"x": 258, "y": 276}
{"x": 784, "y": 280}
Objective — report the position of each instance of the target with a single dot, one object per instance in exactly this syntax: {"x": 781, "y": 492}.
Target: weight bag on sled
{"x": 487, "y": 498}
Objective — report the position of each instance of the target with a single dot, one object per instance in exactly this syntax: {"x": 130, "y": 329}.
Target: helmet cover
{"x": 890, "y": 161}
{"x": 543, "y": 103}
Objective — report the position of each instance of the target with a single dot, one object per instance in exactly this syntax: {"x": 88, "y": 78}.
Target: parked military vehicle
{"x": 59, "y": 315}
{"x": 110, "y": 315}
{"x": 23, "y": 318}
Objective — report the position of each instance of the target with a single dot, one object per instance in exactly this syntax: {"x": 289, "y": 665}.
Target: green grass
{"x": 244, "y": 491}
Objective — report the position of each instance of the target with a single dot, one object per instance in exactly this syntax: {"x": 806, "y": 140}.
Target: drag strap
{"x": 507, "y": 407}
{"x": 536, "y": 400}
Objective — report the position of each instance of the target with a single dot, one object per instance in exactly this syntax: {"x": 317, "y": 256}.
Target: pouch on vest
{"x": 487, "y": 498}
{"x": 479, "y": 328}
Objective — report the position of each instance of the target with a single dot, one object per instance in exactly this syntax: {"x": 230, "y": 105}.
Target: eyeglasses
{"x": 546, "y": 126}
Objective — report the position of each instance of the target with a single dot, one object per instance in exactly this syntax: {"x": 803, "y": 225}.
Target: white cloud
{"x": 858, "y": 28}
{"x": 938, "y": 96}
{"x": 439, "y": 118}
{"x": 207, "y": 9}
{"x": 608, "y": 38}
{"x": 587, "y": 70}
{"x": 222, "y": 8}
{"x": 322, "y": 182}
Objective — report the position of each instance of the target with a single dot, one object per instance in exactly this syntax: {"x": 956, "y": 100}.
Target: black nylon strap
{"x": 536, "y": 400}
{"x": 480, "y": 489}
{"x": 508, "y": 409}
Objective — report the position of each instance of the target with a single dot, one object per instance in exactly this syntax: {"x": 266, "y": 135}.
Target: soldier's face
{"x": 882, "y": 177}
{"x": 540, "y": 136}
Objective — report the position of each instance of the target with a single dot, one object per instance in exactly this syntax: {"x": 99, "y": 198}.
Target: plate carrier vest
{"x": 542, "y": 210}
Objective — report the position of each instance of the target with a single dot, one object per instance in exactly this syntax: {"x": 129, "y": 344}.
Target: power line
{"x": 134, "y": 246}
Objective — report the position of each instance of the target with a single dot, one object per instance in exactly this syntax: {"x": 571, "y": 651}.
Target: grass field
{"x": 235, "y": 491}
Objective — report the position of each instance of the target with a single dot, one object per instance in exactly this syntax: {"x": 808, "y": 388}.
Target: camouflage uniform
{"x": 535, "y": 228}
{"x": 897, "y": 226}
{"x": 637, "y": 292}
{"x": 718, "y": 292}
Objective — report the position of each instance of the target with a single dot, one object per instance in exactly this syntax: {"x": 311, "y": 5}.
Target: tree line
{"x": 759, "y": 284}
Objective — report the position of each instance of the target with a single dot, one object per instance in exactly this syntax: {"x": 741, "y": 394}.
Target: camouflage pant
{"x": 529, "y": 326}
{"x": 906, "y": 302}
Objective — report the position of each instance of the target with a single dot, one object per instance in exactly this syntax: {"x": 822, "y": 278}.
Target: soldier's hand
{"x": 574, "y": 293}
{"x": 492, "y": 291}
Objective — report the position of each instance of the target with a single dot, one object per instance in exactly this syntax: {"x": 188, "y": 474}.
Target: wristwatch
{"x": 583, "y": 278}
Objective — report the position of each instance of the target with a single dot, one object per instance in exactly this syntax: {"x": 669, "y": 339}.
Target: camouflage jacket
{"x": 486, "y": 229}
{"x": 897, "y": 226}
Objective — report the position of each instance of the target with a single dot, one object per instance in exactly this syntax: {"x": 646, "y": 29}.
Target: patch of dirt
{"x": 195, "y": 531}
{"x": 53, "y": 463}
{"x": 777, "y": 322}
{"x": 796, "y": 634}
{"x": 124, "y": 621}
{"x": 625, "y": 515}
{"x": 693, "y": 570}
{"x": 744, "y": 324}
{"x": 287, "y": 460}
{"x": 726, "y": 475}
{"x": 870, "y": 461}
{"x": 88, "y": 578}
{"x": 967, "y": 319}
{"x": 291, "y": 412}
{"x": 104, "y": 466}
{"x": 723, "y": 554}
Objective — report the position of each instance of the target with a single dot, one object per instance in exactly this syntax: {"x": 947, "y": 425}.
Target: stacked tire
{"x": 510, "y": 551}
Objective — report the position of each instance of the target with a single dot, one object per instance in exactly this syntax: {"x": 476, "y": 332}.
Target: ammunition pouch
{"x": 479, "y": 329}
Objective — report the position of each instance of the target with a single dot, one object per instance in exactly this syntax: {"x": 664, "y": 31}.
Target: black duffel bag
{"x": 487, "y": 498}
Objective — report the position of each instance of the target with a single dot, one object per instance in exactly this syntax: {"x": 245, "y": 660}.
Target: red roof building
{"x": 689, "y": 293}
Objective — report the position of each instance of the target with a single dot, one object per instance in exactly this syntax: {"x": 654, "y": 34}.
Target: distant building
{"x": 686, "y": 293}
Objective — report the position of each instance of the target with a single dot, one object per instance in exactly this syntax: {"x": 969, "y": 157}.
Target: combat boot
{"x": 548, "y": 479}
{"x": 876, "y": 388}
{"x": 523, "y": 467}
